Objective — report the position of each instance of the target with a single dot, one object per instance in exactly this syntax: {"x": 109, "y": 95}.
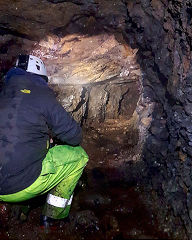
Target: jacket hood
{"x": 20, "y": 72}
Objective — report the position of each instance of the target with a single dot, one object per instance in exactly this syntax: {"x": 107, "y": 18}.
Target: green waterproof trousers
{"x": 61, "y": 170}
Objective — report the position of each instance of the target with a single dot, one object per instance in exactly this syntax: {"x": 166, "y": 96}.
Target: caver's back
{"x": 28, "y": 109}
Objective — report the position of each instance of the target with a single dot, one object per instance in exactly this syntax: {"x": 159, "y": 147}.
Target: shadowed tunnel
{"x": 123, "y": 70}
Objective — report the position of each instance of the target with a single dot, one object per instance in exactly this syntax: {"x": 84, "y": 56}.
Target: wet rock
{"x": 155, "y": 145}
{"x": 95, "y": 200}
{"x": 179, "y": 201}
{"x": 98, "y": 99}
{"x": 74, "y": 100}
{"x": 159, "y": 129}
{"x": 85, "y": 221}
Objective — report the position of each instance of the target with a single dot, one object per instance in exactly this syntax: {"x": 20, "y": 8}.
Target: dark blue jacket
{"x": 28, "y": 111}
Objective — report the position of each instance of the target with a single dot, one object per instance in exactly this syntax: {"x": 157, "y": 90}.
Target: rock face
{"x": 162, "y": 30}
{"x": 93, "y": 75}
{"x": 128, "y": 61}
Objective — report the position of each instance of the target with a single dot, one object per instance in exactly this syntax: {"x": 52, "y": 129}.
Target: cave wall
{"x": 154, "y": 39}
{"x": 162, "y": 30}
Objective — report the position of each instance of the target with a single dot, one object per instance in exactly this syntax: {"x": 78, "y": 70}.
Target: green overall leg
{"x": 60, "y": 197}
{"x": 61, "y": 170}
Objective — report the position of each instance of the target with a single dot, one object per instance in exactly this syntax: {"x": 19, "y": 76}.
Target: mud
{"x": 107, "y": 203}
{"x": 109, "y": 212}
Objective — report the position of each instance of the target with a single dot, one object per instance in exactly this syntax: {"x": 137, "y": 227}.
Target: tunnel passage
{"x": 97, "y": 80}
{"x": 140, "y": 102}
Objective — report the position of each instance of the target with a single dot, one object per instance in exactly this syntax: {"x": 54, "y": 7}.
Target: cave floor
{"x": 104, "y": 206}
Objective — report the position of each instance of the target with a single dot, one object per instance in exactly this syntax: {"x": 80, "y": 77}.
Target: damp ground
{"x": 106, "y": 205}
{"x": 106, "y": 212}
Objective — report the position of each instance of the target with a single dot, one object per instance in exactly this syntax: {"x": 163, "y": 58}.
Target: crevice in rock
{"x": 82, "y": 101}
{"x": 121, "y": 99}
{"x": 161, "y": 76}
{"x": 8, "y": 31}
{"x": 85, "y": 116}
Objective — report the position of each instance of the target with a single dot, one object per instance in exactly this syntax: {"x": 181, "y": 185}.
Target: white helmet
{"x": 31, "y": 64}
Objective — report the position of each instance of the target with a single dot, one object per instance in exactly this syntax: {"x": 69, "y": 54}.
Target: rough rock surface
{"x": 129, "y": 61}
{"x": 162, "y": 30}
{"x": 95, "y": 76}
